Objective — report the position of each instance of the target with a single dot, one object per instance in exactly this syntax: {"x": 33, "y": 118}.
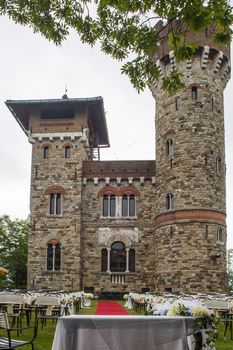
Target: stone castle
{"x": 116, "y": 226}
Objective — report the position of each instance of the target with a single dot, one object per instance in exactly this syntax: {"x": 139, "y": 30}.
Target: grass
{"x": 45, "y": 335}
{"x": 221, "y": 343}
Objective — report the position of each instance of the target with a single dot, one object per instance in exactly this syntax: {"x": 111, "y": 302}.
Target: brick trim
{"x": 108, "y": 190}
{"x": 197, "y": 85}
{"x": 118, "y": 192}
{"x": 54, "y": 189}
{"x": 54, "y": 242}
{"x": 169, "y": 134}
{"x": 46, "y": 145}
{"x": 67, "y": 145}
{"x": 192, "y": 215}
{"x": 129, "y": 190}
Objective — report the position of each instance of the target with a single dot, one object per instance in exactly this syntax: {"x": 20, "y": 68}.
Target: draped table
{"x": 91, "y": 332}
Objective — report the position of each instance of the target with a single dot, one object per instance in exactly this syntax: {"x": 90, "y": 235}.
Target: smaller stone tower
{"x": 63, "y": 132}
{"x": 190, "y": 226}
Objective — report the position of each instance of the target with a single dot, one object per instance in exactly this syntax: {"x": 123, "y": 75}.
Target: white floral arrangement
{"x": 176, "y": 309}
{"x": 88, "y": 295}
{"x": 204, "y": 318}
{"x": 126, "y": 296}
{"x": 66, "y": 300}
{"x": 200, "y": 312}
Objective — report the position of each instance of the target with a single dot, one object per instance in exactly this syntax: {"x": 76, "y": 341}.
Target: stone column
{"x": 127, "y": 260}
{"x": 108, "y": 268}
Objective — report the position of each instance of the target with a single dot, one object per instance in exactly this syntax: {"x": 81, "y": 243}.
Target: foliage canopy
{"x": 125, "y": 28}
{"x": 230, "y": 269}
{"x": 13, "y": 248}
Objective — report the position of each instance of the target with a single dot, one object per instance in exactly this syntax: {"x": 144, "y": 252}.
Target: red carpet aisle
{"x": 110, "y": 308}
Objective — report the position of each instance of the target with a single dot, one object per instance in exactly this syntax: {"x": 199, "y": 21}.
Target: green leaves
{"x": 141, "y": 72}
{"x": 126, "y": 28}
{"x": 13, "y": 248}
{"x": 172, "y": 82}
{"x": 230, "y": 269}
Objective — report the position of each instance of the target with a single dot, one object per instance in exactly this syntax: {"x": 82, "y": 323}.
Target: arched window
{"x": 53, "y": 256}
{"x": 57, "y": 262}
{"x": 109, "y": 205}
{"x": 104, "y": 260}
{"x": 46, "y": 152}
{"x": 49, "y": 257}
{"x": 112, "y": 205}
{"x": 169, "y": 201}
{"x": 169, "y": 147}
{"x": 194, "y": 93}
{"x": 118, "y": 257}
{"x": 128, "y": 205}
{"x": 132, "y": 260}
{"x": 55, "y": 204}
{"x": 218, "y": 165}
{"x": 67, "y": 151}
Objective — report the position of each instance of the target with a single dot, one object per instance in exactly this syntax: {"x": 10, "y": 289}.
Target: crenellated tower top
{"x": 190, "y": 209}
{"x": 210, "y": 54}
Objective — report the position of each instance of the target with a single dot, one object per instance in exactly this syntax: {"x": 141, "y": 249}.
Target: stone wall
{"x": 64, "y": 175}
{"x": 99, "y": 232}
{"x": 188, "y": 258}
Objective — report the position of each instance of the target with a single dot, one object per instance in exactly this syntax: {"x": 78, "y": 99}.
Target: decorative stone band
{"x": 190, "y": 215}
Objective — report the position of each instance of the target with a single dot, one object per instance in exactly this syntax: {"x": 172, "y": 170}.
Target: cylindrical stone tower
{"x": 190, "y": 218}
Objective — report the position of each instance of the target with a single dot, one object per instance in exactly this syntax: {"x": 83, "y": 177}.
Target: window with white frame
{"x": 55, "y": 204}
{"x": 128, "y": 205}
{"x": 118, "y": 258}
{"x": 118, "y": 203}
{"x": 53, "y": 256}
{"x": 109, "y": 205}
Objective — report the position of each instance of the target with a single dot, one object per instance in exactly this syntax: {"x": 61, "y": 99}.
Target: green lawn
{"x": 45, "y": 335}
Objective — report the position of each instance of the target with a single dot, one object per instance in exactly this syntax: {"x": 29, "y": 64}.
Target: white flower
{"x": 176, "y": 309}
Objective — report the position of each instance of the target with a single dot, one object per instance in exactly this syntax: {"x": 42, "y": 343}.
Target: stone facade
{"x": 190, "y": 167}
{"x": 174, "y": 237}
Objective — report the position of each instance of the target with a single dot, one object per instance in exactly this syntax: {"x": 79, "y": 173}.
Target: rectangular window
{"x": 112, "y": 206}
{"x": 105, "y": 206}
{"x": 50, "y": 257}
{"x": 131, "y": 205}
{"x": 58, "y": 204}
{"x": 55, "y": 204}
{"x": 46, "y": 152}
{"x": 60, "y": 113}
{"x": 124, "y": 206}
{"x": 57, "y": 257}
{"x": 52, "y": 204}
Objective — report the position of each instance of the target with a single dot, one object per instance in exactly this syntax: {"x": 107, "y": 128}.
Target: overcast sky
{"x": 33, "y": 68}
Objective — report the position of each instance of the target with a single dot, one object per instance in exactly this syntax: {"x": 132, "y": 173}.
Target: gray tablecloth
{"x": 123, "y": 333}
